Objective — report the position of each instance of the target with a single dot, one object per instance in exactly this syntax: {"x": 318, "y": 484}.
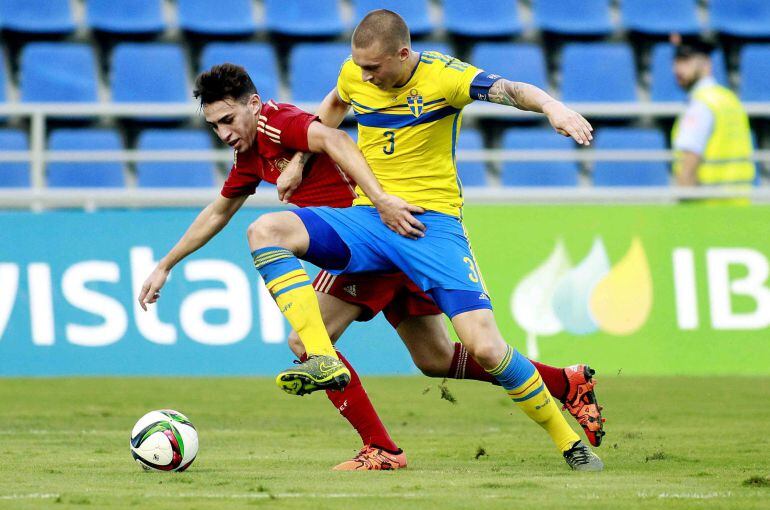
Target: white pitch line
{"x": 294, "y": 495}
{"x": 29, "y": 496}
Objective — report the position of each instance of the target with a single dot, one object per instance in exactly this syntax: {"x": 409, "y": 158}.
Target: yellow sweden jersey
{"x": 408, "y": 135}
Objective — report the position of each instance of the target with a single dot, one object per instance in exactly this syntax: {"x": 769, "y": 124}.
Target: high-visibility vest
{"x": 727, "y": 158}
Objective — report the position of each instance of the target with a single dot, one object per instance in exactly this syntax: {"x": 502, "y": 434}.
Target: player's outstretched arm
{"x": 528, "y": 97}
{"x": 208, "y": 223}
{"x": 395, "y": 212}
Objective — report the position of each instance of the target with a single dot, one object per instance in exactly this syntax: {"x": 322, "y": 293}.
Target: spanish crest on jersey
{"x": 415, "y": 101}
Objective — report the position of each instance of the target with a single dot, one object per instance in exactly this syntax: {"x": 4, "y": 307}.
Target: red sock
{"x": 465, "y": 367}
{"x": 554, "y": 378}
{"x": 353, "y": 403}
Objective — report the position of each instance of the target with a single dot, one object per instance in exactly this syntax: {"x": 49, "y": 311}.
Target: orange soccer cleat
{"x": 581, "y": 402}
{"x": 371, "y": 458}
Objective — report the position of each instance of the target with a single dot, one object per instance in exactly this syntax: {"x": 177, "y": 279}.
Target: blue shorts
{"x": 354, "y": 240}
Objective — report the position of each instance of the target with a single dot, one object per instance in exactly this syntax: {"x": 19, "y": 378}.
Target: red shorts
{"x": 393, "y": 294}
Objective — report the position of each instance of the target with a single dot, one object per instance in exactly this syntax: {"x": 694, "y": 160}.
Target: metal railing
{"x": 40, "y": 197}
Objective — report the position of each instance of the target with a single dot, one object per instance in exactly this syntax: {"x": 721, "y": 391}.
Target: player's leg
{"x": 275, "y": 239}
{"x": 478, "y": 331}
{"x": 379, "y": 451}
{"x": 437, "y": 355}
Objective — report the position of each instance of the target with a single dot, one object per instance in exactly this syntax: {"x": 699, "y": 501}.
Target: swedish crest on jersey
{"x": 415, "y": 102}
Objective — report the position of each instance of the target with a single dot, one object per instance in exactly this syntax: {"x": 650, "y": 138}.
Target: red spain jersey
{"x": 281, "y": 132}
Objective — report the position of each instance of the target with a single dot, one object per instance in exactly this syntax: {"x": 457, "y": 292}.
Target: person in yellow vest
{"x": 712, "y": 139}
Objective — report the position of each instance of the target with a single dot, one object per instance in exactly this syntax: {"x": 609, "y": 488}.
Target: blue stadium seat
{"x": 660, "y": 17}
{"x": 603, "y": 72}
{"x": 636, "y": 173}
{"x": 740, "y": 18}
{"x": 37, "y": 16}
{"x": 313, "y": 69}
{"x": 574, "y": 17}
{"x": 519, "y": 62}
{"x": 549, "y": 173}
{"x": 85, "y": 175}
{"x": 663, "y": 86}
{"x": 414, "y": 12}
{"x": 471, "y": 173}
{"x": 3, "y": 79}
{"x": 490, "y": 19}
{"x": 58, "y": 72}
{"x": 149, "y": 72}
{"x": 755, "y": 69}
{"x": 125, "y": 16}
{"x": 223, "y": 17}
{"x": 304, "y": 17}
{"x": 433, "y": 46}
{"x": 14, "y": 175}
{"x": 190, "y": 174}
{"x": 258, "y": 59}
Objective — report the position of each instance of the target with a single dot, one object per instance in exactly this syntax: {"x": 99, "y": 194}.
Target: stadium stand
{"x": 755, "y": 70}
{"x": 220, "y": 18}
{"x": 149, "y": 72}
{"x": 547, "y": 173}
{"x": 308, "y": 18}
{"x": 58, "y": 72}
{"x": 14, "y": 175}
{"x": 471, "y": 173}
{"x": 522, "y": 62}
{"x": 313, "y": 69}
{"x": 598, "y": 72}
{"x": 663, "y": 86}
{"x": 258, "y": 59}
{"x": 37, "y": 16}
{"x": 106, "y": 174}
{"x": 496, "y": 19}
{"x": 638, "y": 173}
{"x": 740, "y": 18}
{"x": 660, "y": 17}
{"x": 90, "y": 54}
{"x": 562, "y": 17}
{"x": 446, "y": 49}
{"x": 182, "y": 174}
{"x": 125, "y": 17}
{"x": 4, "y": 83}
{"x": 414, "y": 12}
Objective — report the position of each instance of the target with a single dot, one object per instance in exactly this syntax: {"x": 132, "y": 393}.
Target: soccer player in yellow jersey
{"x": 408, "y": 106}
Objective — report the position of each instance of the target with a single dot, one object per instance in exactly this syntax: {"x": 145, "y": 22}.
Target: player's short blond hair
{"x": 385, "y": 27}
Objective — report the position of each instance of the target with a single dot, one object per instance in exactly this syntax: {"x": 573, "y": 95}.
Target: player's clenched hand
{"x": 290, "y": 178}
{"x": 396, "y": 213}
{"x": 151, "y": 289}
{"x": 568, "y": 122}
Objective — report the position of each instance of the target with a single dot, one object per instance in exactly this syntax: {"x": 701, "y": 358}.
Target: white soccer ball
{"x": 164, "y": 440}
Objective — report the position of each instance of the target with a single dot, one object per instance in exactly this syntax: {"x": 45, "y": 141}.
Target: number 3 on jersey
{"x": 474, "y": 274}
{"x": 390, "y": 136}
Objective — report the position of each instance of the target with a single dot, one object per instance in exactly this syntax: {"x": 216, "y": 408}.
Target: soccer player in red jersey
{"x": 279, "y": 133}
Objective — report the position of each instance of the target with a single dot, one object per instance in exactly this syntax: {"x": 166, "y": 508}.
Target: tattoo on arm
{"x": 508, "y": 93}
{"x": 305, "y": 157}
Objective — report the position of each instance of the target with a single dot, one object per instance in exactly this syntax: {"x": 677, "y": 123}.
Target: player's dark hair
{"x": 224, "y": 81}
{"x": 384, "y": 26}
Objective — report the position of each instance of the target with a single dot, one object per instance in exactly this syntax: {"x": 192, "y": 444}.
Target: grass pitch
{"x": 671, "y": 442}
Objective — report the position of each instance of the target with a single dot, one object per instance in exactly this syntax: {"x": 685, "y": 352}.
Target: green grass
{"x": 671, "y": 442}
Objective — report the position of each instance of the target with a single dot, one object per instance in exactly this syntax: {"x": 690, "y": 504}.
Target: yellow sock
{"x": 540, "y": 407}
{"x": 291, "y": 288}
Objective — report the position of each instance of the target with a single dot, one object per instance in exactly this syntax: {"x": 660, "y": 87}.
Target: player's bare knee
{"x": 267, "y": 230}
{"x": 486, "y": 352}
